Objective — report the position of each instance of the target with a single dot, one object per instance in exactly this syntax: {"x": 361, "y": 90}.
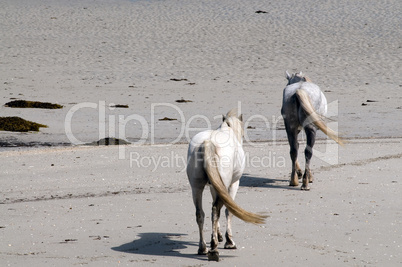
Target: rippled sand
{"x": 143, "y": 53}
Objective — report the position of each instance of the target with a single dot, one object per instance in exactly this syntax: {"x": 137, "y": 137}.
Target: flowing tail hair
{"x": 211, "y": 167}
{"x": 313, "y": 117}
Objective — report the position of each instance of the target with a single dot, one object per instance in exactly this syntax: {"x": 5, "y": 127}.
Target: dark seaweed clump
{"x": 119, "y": 106}
{"x": 32, "y": 104}
{"x": 182, "y": 100}
{"x": 167, "y": 119}
{"x": 109, "y": 141}
{"x": 17, "y": 124}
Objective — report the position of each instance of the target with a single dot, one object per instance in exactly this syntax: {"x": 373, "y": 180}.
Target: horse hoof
{"x": 213, "y": 255}
{"x": 230, "y": 246}
{"x": 300, "y": 174}
{"x": 220, "y": 237}
{"x": 202, "y": 251}
{"x": 294, "y": 184}
{"x": 305, "y": 188}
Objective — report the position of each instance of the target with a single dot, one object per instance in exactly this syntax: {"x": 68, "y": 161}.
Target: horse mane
{"x": 232, "y": 113}
{"x": 235, "y": 122}
{"x": 297, "y": 77}
{"x": 304, "y": 77}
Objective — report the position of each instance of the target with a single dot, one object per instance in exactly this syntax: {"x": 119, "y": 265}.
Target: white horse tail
{"x": 211, "y": 166}
{"x": 313, "y": 117}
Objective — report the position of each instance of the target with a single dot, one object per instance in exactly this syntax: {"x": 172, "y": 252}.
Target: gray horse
{"x": 216, "y": 158}
{"x": 304, "y": 106}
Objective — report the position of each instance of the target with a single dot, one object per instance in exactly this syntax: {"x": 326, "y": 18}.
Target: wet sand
{"x": 90, "y": 56}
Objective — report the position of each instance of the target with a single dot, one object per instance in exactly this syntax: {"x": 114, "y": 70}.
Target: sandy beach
{"x": 85, "y": 206}
{"x": 174, "y": 67}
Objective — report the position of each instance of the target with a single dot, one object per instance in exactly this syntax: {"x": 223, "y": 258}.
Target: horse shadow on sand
{"x": 248, "y": 180}
{"x": 162, "y": 244}
{"x": 172, "y": 244}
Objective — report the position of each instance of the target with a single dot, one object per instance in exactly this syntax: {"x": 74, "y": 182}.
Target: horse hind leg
{"x": 308, "y": 152}
{"x": 200, "y": 216}
{"x": 298, "y": 170}
{"x": 218, "y": 205}
{"x": 220, "y": 236}
{"x": 294, "y": 148}
{"x": 213, "y": 253}
{"x": 230, "y": 244}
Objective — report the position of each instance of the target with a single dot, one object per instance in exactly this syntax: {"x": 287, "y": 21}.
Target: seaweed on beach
{"x": 182, "y": 100}
{"x": 178, "y": 79}
{"x": 17, "y": 124}
{"x": 167, "y": 119}
{"x": 119, "y": 106}
{"x": 32, "y": 104}
{"x": 109, "y": 141}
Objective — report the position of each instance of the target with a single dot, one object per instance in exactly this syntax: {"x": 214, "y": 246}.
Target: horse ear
{"x": 240, "y": 117}
{"x": 223, "y": 117}
{"x": 288, "y": 75}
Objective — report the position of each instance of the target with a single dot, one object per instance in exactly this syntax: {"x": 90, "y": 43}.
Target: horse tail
{"x": 313, "y": 117}
{"x": 211, "y": 166}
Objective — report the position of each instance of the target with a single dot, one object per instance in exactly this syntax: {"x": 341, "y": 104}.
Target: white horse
{"x": 304, "y": 106}
{"x": 217, "y": 158}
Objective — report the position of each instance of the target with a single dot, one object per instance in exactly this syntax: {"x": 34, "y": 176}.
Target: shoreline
{"x": 8, "y": 146}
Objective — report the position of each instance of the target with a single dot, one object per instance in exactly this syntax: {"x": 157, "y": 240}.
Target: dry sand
{"x": 84, "y": 205}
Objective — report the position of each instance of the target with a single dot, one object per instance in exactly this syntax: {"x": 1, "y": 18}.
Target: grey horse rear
{"x": 303, "y": 107}
{"x": 217, "y": 158}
